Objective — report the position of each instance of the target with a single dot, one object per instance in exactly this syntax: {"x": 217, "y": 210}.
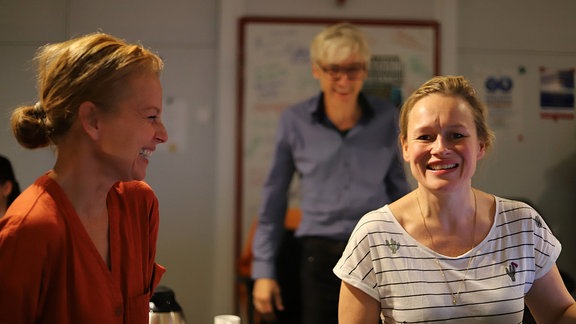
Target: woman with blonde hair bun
{"x": 78, "y": 245}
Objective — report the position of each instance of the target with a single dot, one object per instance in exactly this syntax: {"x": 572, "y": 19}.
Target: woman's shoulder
{"x": 512, "y": 207}
{"x": 136, "y": 185}
{"x": 516, "y": 213}
{"x": 376, "y": 219}
{"x": 133, "y": 189}
{"x": 38, "y": 213}
{"x": 512, "y": 202}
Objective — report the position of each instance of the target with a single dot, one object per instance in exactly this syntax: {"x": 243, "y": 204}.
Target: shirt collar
{"x": 319, "y": 113}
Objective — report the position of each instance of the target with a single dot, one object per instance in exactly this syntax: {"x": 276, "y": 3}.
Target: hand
{"x": 267, "y": 298}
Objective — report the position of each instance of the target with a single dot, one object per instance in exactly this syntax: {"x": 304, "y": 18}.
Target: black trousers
{"x": 319, "y": 287}
{"x": 309, "y": 288}
{"x": 288, "y": 275}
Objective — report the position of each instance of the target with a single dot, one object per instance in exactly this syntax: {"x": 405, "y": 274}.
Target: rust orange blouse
{"x": 51, "y": 272}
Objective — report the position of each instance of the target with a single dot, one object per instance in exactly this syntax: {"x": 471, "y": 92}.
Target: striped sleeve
{"x": 356, "y": 266}
{"x": 547, "y": 248}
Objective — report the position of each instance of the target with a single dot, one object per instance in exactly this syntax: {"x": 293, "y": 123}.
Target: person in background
{"x": 342, "y": 145}
{"x": 448, "y": 252}
{"x": 78, "y": 245}
{"x": 9, "y": 187}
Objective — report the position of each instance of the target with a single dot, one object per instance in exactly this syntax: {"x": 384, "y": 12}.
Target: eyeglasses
{"x": 352, "y": 71}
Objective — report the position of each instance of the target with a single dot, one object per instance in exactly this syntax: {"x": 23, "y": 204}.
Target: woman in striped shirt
{"x": 447, "y": 252}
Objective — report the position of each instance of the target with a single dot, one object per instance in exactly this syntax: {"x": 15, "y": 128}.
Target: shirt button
{"x": 118, "y": 311}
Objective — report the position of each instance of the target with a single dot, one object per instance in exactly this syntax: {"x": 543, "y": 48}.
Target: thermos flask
{"x": 163, "y": 307}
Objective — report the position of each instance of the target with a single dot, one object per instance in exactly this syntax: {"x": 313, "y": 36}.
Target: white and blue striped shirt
{"x": 385, "y": 262}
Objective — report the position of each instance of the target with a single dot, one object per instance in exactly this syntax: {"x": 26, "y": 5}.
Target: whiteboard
{"x": 274, "y": 72}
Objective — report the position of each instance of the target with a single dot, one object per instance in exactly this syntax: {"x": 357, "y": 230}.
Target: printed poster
{"x": 557, "y": 93}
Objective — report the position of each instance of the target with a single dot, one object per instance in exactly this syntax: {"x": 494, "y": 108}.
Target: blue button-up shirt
{"x": 342, "y": 176}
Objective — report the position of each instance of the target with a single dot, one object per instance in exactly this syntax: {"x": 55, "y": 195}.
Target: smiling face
{"x": 341, "y": 81}
{"x": 442, "y": 145}
{"x": 129, "y": 134}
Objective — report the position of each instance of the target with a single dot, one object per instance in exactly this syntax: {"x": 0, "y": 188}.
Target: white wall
{"x": 533, "y": 158}
{"x": 197, "y": 38}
